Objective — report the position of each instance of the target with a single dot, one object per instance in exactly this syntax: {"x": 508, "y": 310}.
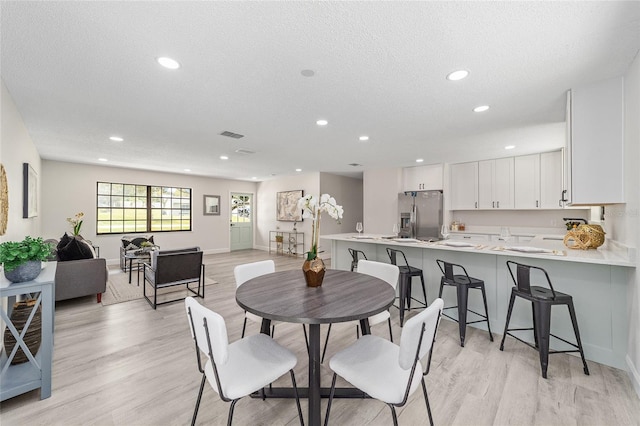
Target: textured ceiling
{"x": 80, "y": 72}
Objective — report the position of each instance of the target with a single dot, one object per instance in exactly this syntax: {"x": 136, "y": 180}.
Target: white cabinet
{"x": 595, "y": 151}
{"x": 422, "y": 178}
{"x": 495, "y": 183}
{"x": 464, "y": 186}
{"x": 538, "y": 181}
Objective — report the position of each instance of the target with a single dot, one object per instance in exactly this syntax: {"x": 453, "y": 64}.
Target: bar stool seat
{"x": 542, "y": 299}
{"x": 406, "y": 274}
{"x": 355, "y": 257}
{"x": 463, "y": 283}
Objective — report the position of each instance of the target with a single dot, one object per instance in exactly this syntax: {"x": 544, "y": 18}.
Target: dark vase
{"x": 313, "y": 272}
{"x": 25, "y": 272}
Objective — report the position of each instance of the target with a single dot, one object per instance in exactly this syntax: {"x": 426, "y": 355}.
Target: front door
{"x": 241, "y": 221}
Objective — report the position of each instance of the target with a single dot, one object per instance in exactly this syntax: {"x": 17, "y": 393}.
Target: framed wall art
{"x": 30, "y": 191}
{"x": 211, "y": 205}
{"x": 287, "y": 206}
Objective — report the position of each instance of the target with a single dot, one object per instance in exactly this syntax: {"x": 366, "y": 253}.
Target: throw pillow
{"x": 74, "y": 248}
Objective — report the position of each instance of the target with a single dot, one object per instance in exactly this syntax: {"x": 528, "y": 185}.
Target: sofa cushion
{"x": 74, "y": 248}
{"x": 133, "y": 242}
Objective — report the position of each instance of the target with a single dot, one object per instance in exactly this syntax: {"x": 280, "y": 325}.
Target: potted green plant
{"x": 22, "y": 259}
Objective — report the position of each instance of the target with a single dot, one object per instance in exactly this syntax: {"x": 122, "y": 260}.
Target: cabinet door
{"x": 422, "y": 178}
{"x": 527, "y": 182}
{"x": 486, "y": 174}
{"x": 551, "y": 184}
{"x": 410, "y": 179}
{"x": 503, "y": 183}
{"x": 464, "y": 186}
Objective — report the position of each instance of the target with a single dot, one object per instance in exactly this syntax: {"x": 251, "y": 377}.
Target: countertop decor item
{"x": 311, "y": 207}
{"x": 585, "y": 237}
{"x": 22, "y": 259}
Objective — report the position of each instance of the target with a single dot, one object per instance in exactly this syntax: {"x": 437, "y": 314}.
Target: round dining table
{"x": 344, "y": 296}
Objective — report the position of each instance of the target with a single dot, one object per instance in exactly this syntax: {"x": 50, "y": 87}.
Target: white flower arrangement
{"x": 313, "y": 209}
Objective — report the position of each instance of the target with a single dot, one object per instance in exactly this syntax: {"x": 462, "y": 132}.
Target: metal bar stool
{"x": 542, "y": 299}
{"x": 406, "y": 274}
{"x": 354, "y": 257}
{"x": 462, "y": 283}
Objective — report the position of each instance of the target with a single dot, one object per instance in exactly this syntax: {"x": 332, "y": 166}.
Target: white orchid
{"x": 312, "y": 209}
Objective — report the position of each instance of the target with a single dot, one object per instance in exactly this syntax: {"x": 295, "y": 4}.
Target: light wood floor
{"x": 127, "y": 364}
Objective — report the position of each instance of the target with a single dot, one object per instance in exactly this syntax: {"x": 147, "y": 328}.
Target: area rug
{"x": 119, "y": 290}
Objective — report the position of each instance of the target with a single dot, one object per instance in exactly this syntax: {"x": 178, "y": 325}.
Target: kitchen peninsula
{"x": 597, "y": 280}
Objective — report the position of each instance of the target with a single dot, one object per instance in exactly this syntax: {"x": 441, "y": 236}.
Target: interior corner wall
{"x": 625, "y": 219}
{"x": 348, "y": 193}
{"x": 16, "y": 148}
{"x": 69, "y": 188}
{"x": 380, "y": 199}
{"x": 265, "y": 203}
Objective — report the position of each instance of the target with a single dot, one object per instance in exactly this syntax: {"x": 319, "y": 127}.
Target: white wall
{"x": 348, "y": 193}
{"x": 266, "y": 221}
{"x": 16, "y": 148}
{"x": 69, "y": 188}
{"x": 380, "y": 192}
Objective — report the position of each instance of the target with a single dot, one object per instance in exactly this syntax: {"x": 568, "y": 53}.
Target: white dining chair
{"x": 244, "y": 273}
{"x": 386, "y": 371}
{"x": 385, "y": 272}
{"x": 238, "y": 369}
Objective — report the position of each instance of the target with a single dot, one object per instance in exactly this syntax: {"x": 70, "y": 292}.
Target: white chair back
{"x": 244, "y": 273}
{"x": 384, "y": 271}
{"x": 217, "y": 330}
{"x": 411, "y": 334}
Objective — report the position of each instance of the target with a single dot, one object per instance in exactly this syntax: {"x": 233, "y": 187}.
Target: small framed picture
{"x": 30, "y": 191}
{"x": 211, "y": 205}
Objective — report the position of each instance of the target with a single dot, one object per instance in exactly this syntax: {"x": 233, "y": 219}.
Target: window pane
{"x": 117, "y": 189}
{"x": 104, "y": 188}
{"x": 117, "y": 214}
{"x": 129, "y": 190}
{"x": 104, "y": 201}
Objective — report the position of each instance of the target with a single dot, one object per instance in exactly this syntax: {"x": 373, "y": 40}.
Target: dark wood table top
{"x": 343, "y": 296}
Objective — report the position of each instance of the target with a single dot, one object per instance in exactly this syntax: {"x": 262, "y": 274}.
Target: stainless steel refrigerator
{"x": 420, "y": 214}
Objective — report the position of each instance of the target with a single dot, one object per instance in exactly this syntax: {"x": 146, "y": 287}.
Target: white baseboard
{"x": 634, "y": 375}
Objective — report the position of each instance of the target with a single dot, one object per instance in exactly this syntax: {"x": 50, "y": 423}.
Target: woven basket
{"x": 596, "y": 234}
{"x": 32, "y": 338}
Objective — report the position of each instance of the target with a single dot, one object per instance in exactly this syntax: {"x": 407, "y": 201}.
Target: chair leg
{"x": 244, "y": 326}
{"x": 331, "y": 393}
{"x": 424, "y": 290}
{"x": 463, "y": 295}
{"x": 535, "y": 321}
{"x": 506, "y": 324}
{"x": 426, "y": 399}
{"x": 543, "y": 325}
{"x": 231, "y": 407}
{"x": 390, "y": 331}
{"x": 574, "y": 321}
{"x": 273, "y": 331}
{"x": 195, "y": 411}
{"x": 326, "y": 343}
{"x": 408, "y": 290}
{"x": 393, "y": 415}
{"x": 486, "y": 312}
{"x": 403, "y": 295}
{"x": 306, "y": 339}
{"x": 99, "y": 297}
{"x": 295, "y": 391}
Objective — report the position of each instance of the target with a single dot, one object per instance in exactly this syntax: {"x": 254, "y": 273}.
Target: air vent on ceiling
{"x": 244, "y": 151}
{"x": 355, "y": 165}
{"x": 232, "y": 135}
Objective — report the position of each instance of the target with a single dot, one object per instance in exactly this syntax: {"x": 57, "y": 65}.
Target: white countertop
{"x": 610, "y": 253}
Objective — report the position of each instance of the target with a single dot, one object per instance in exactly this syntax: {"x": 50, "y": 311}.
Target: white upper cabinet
{"x": 527, "y": 182}
{"x": 495, "y": 184}
{"x": 595, "y": 151}
{"x": 422, "y": 178}
{"x": 464, "y": 186}
{"x": 551, "y": 180}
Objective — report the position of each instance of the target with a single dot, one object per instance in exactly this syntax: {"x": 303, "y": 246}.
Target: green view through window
{"x": 125, "y": 208}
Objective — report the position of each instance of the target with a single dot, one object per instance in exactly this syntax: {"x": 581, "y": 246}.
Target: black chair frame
{"x": 462, "y": 283}
{"x": 404, "y": 282}
{"x": 355, "y": 257}
{"x": 174, "y": 268}
{"x": 215, "y": 372}
{"x": 542, "y": 300}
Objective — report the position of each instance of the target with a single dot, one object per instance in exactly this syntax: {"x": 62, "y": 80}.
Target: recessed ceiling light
{"x": 481, "y": 108}
{"x": 364, "y": 138}
{"x": 509, "y": 147}
{"x": 307, "y": 73}
{"x": 224, "y": 157}
{"x": 457, "y": 75}
{"x": 419, "y": 160}
{"x": 298, "y": 170}
{"x": 102, "y": 159}
{"x": 116, "y": 138}
{"x": 169, "y": 63}
{"x": 187, "y": 170}
{"x": 322, "y": 122}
